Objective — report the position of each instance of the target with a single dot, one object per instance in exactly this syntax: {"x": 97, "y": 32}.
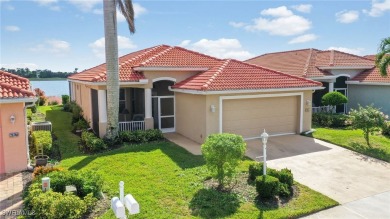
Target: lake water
{"x": 52, "y": 88}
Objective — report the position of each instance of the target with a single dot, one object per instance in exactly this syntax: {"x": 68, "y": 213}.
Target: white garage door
{"x": 249, "y": 117}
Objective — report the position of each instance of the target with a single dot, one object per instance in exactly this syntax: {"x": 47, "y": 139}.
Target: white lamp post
{"x": 264, "y": 137}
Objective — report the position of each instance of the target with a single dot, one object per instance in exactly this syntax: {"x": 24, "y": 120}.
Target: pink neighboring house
{"x": 15, "y": 96}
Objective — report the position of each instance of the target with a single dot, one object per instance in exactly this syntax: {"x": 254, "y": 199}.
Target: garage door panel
{"x": 247, "y": 117}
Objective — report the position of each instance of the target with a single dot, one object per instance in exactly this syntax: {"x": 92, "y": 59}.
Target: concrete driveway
{"x": 341, "y": 174}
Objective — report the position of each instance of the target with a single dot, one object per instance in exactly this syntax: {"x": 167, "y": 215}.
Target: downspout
{"x": 30, "y": 104}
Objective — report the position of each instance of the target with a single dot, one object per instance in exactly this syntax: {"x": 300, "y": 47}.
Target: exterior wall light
{"x": 12, "y": 119}
{"x": 212, "y": 108}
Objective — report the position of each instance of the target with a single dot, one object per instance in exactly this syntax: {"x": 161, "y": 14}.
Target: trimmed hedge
{"x": 44, "y": 139}
{"x": 80, "y": 125}
{"x": 56, "y": 204}
{"x": 42, "y": 170}
{"x": 331, "y": 120}
{"x": 255, "y": 170}
{"x": 65, "y": 99}
{"x": 141, "y": 136}
{"x": 267, "y": 186}
{"x": 92, "y": 143}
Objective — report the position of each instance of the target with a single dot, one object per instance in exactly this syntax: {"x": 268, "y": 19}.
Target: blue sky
{"x": 62, "y": 35}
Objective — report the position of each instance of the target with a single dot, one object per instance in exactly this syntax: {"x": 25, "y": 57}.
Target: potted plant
{"x": 41, "y": 160}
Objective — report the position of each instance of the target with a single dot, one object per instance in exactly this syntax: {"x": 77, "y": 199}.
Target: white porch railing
{"x": 131, "y": 126}
{"x": 323, "y": 109}
{"x": 41, "y": 126}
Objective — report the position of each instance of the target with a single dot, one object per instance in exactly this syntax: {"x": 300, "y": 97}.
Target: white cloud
{"x": 281, "y": 11}
{"x": 31, "y": 66}
{"x": 98, "y": 47}
{"x": 221, "y": 48}
{"x": 52, "y": 46}
{"x": 237, "y": 24}
{"x": 85, "y": 5}
{"x": 356, "y": 51}
{"x": 50, "y": 4}
{"x": 347, "y": 17}
{"x": 283, "y": 22}
{"x": 305, "y": 8}
{"x": 97, "y": 11}
{"x": 10, "y": 7}
{"x": 378, "y": 8}
{"x": 303, "y": 39}
{"x": 12, "y": 28}
{"x": 138, "y": 10}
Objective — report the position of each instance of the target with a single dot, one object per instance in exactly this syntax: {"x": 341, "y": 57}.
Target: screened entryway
{"x": 163, "y": 106}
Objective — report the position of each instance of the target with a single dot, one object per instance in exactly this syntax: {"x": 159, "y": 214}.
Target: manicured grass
{"x": 168, "y": 181}
{"x": 354, "y": 140}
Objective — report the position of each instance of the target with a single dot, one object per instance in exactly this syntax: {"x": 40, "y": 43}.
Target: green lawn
{"x": 354, "y": 140}
{"x": 168, "y": 181}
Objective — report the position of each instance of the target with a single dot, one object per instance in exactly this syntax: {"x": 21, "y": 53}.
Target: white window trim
{"x": 164, "y": 79}
{"x": 221, "y": 98}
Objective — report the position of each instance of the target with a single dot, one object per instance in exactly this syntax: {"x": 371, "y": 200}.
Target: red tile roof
{"x": 372, "y": 75}
{"x": 229, "y": 74}
{"x": 370, "y": 57}
{"x": 13, "y": 86}
{"x": 310, "y": 62}
{"x": 236, "y": 75}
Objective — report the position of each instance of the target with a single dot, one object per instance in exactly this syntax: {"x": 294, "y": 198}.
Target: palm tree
{"x": 383, "y": 56}
{"x": 112, "y": 65}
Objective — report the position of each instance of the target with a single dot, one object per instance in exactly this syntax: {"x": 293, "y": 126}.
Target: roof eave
{"x": 367, "y": 83}
{"x": 140, "y": 81}
{"x": 170, "y": 68}
{"x": 200, "y": 92}
{"x": 345, "y": 67}
{"x": 18, "y": 100}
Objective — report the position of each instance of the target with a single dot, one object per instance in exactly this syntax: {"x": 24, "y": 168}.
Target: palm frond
{"x": 127, "y": 10}
{"x": 385, "y": 44}
{"x": 384, "y": 66}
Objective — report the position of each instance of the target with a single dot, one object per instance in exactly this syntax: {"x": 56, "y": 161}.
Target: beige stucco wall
{"x": 82, "y": 95}
{"x": 178, "y": 75}
{"x": 13, "y": 154}
{"x": 191, "y": 116}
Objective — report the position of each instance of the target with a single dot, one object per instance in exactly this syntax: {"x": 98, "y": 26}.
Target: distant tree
{"x": 383, "y": 57}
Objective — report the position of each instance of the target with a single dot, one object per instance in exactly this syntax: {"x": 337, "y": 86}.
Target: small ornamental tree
{"x": 369, "y": 119}
{"x": 333, "y": 99}
{"x": 222, "y": 153}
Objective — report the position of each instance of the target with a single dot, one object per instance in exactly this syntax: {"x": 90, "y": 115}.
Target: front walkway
{"x": 11, "y": 188}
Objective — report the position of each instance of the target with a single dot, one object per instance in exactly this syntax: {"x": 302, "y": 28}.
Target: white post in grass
{"x": 264, "y": 138}
{"x": 121, "y": 191}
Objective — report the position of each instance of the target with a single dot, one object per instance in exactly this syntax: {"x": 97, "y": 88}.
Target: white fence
{"x": 323, "y": 109}
{"x": 132, "y": 126}
{"x": 41, "y": 126}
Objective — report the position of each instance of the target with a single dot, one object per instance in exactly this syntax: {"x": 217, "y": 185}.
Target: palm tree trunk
{"x": 111, "y": 46}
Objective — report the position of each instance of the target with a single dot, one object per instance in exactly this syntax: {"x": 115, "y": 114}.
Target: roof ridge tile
{"x": 155, "y": 56}
{"x": 215, "y": 75}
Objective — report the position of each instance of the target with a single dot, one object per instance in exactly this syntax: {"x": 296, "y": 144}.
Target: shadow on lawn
{"x": 180, "y": 156}
{"x": 370, "y": 151}
{"x": 210, "y": 203}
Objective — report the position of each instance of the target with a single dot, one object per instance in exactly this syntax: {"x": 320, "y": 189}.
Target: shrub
{"x": 255, "y": 170}
{"x": 53, "y": 205}
{"x": 41, "y": 170}
{"x": 284, "y": 190}
{"x": 112, "y": 142}
{"x": 85, "y": 181}
{"x": 92, "y": 143}
{"x": 386, "y": 129}
{"x": 42, "y": 139}
{"x": 223, "y": 153}
{"x": 267, "y": 186}
{"x": 77, "y": 112}
{"x": 65, "y": 99}
{"x": 34, "y": 109}
{"x": 369, "y": 119}
{"x": 331, "y": 120}
{"x": 153, "y": 135}
{"x": 334, "y": 99}
{"x": 80, "y": 125}
{"x": 286, "y": 177}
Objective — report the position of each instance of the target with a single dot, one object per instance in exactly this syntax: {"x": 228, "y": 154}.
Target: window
{"x": 122, "y": 100}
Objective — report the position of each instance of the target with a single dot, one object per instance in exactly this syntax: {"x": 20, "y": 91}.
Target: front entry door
{"x": 342, "y": 108}
{"x": 164, "y": 113}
